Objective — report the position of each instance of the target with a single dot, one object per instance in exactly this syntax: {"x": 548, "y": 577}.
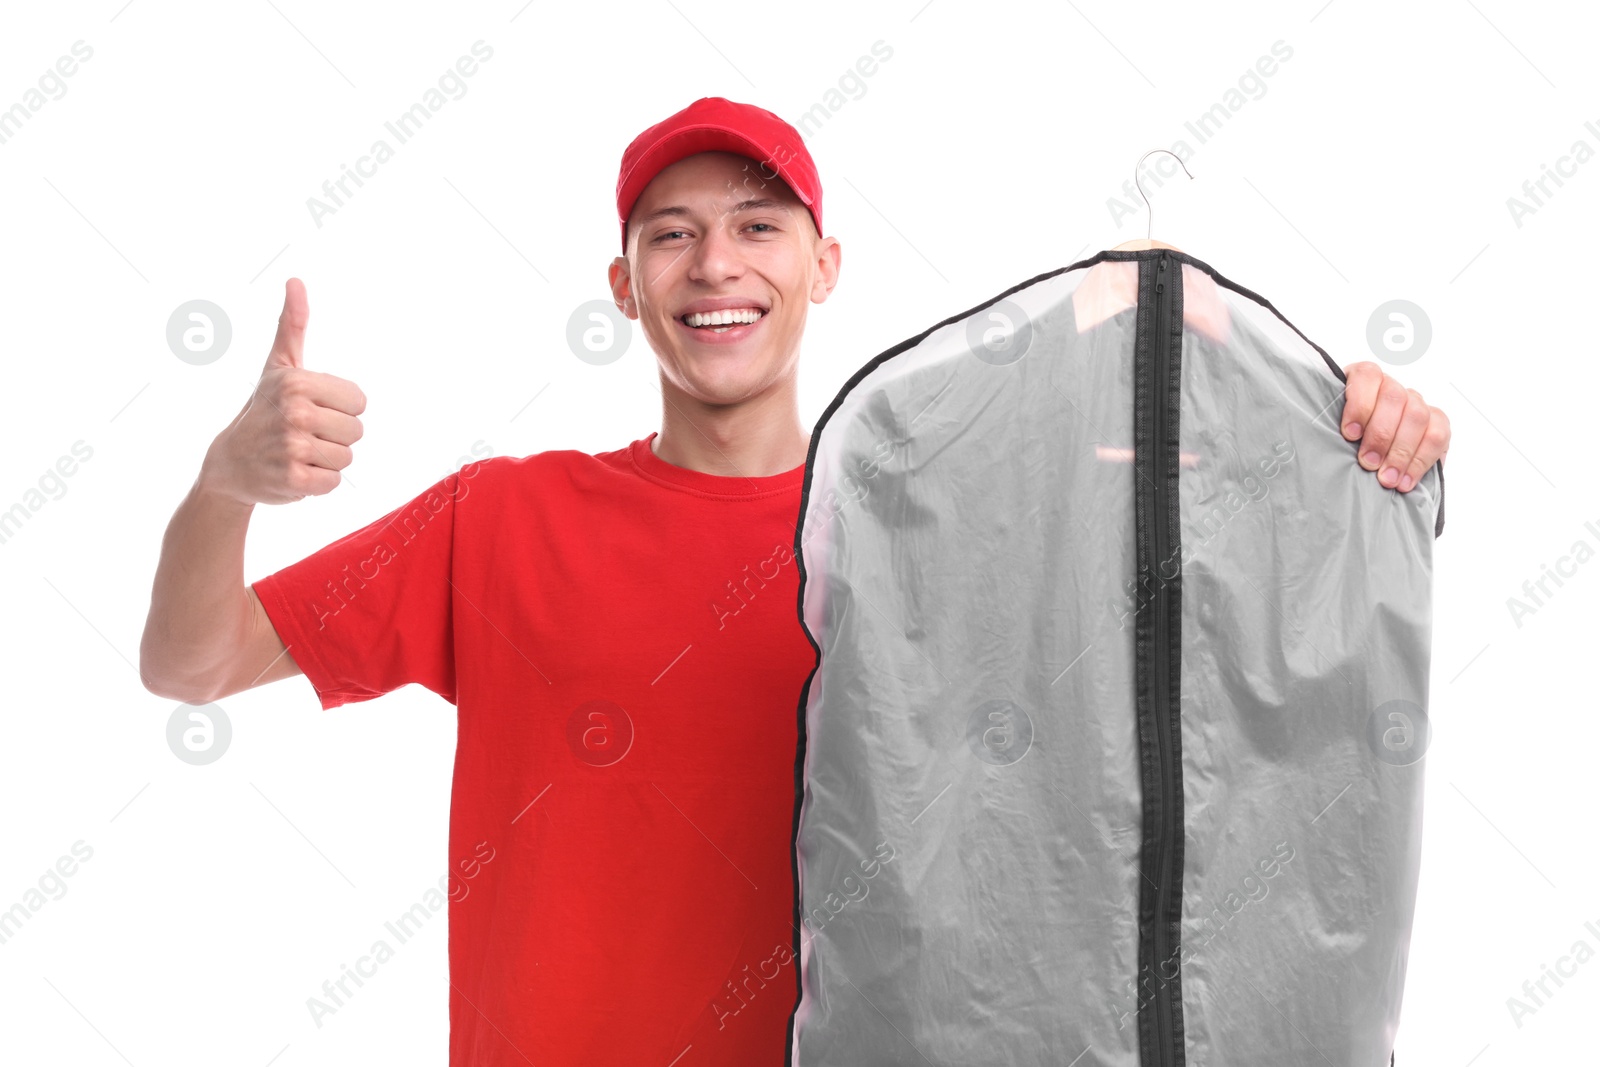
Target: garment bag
{"x": 1112, "y": 754}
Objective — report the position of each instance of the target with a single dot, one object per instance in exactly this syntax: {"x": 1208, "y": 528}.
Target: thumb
{"x": 289, "y": 344}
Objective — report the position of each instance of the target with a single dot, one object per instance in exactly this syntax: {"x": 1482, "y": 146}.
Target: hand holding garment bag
{"x": 1113, "y": 750}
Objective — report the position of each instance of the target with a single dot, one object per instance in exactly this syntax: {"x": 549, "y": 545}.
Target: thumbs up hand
{"x": 293, "y": 436}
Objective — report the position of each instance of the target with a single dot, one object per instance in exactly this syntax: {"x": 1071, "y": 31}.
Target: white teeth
{"x": 723, "y": 318}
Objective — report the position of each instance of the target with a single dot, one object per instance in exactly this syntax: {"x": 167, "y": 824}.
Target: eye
{"x": 669, "y": 233}
{"x": 768, "y": 225}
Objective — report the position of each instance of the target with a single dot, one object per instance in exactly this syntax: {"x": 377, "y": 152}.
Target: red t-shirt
{"x": 621, "y": 642}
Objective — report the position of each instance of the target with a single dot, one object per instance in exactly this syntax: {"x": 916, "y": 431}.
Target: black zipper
{"x": 1164, "y": 833}
{"x": 1161, "y": 514}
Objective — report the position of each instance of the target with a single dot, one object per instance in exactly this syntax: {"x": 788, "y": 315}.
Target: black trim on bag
{"x": 1338, "y": 372}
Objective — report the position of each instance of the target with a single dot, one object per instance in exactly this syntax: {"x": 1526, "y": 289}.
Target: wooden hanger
{"x": 1149, "y": 212}
{"x": 1112, "y": 286}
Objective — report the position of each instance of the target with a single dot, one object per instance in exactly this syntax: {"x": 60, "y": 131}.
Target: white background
{"x": 1376, "y": 164}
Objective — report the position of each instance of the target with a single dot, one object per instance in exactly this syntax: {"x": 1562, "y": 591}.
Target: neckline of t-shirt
{"x": 658, "y": 470}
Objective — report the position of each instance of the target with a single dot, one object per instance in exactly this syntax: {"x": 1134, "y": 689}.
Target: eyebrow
{"x": 760, "y": 203}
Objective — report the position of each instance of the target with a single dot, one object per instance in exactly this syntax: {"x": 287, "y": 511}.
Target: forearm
{"x": 201, "y": 613}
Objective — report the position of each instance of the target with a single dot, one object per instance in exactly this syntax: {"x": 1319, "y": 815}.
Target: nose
{"x": 716, "y": 257}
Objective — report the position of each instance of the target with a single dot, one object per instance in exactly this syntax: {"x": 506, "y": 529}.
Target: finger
{"x": 288, "y": 346}
{"x": 1435, "y": 442}
{"x": 313, "y": 481}
{"x": 325, "y": 454}
{"x": 1407, "y": 440}
{"x": 327, "y": 424}
{"x": 1360, "y": 392}
{"x": 1382, "y": 423}
{"x": 332, "y": 391}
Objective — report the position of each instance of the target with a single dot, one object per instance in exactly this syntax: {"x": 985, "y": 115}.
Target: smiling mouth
{"x": 722, "y": 321}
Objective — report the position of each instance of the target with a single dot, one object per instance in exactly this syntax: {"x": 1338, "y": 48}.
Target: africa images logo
{"x": 404, "y": 527}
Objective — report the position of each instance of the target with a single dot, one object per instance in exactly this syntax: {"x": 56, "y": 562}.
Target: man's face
{"x": 714, "y": 233}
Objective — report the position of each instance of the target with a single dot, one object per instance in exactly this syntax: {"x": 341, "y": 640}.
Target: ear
{"x": 827, "y": 276}
{"x": 619, "y": 277}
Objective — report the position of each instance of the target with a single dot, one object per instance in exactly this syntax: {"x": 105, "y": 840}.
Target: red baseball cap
{"x": 714, "y": 124}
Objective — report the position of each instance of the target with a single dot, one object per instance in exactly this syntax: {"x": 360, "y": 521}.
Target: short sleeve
{"x": 371, "y": 612}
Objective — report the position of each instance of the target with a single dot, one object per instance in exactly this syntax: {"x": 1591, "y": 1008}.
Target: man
{"x": 617, "y": 631}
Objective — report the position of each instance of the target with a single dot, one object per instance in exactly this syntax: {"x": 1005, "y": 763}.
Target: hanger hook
{"x": 1149, "y": 212}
